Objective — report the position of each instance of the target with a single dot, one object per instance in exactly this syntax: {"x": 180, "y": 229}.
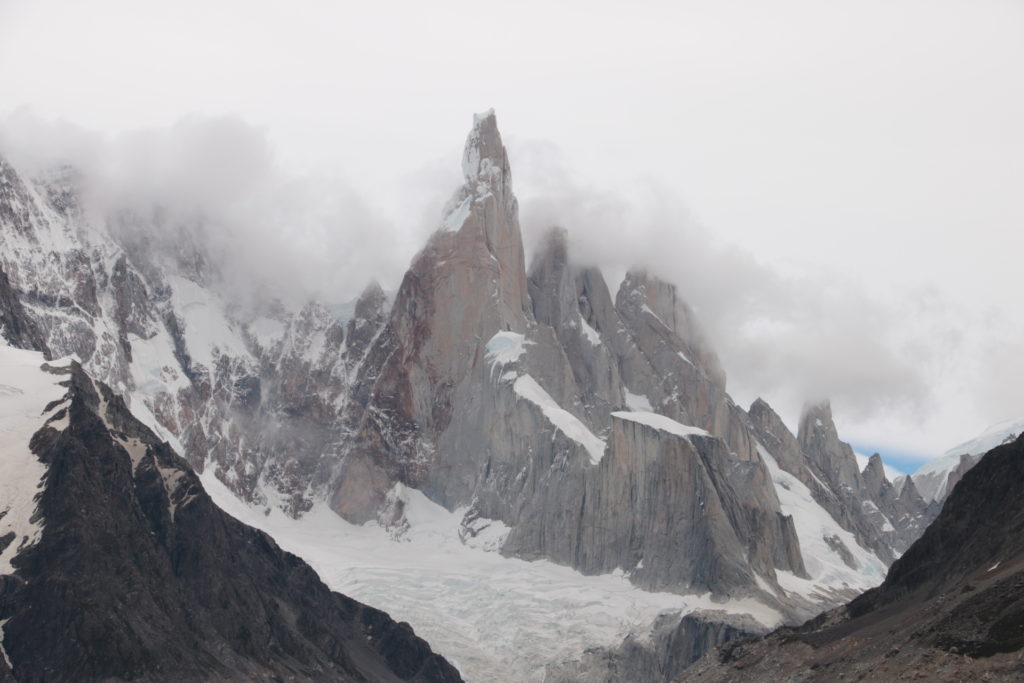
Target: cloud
{"x": 219, "y": 180}
{"x": 901, "y": 364}
{"x": 904, "y": 365}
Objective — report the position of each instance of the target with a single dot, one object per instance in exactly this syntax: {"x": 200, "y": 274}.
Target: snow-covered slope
{"x": 933, "y": 478}
{"x": 29, "y": 397}
{"x": 484, "y": 612}
{"x": 838, "y": 566}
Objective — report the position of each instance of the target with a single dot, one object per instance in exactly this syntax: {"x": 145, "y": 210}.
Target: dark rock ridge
{"x": 139, "y": 576}
{"x": 951, "y": 608}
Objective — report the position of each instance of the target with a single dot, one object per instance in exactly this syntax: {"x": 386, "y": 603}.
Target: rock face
{"x": 882, "y": 518}
{"x": 15, "y": 326}
{"x": 951, "y": 608}
{"x": 503, "y": 391}
{"x": 674, "y": 645}
{"x": 153, "y": 582}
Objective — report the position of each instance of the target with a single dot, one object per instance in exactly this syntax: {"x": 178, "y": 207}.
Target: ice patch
{"x": 647, "y": 309}
{"x": 638, "y": 402}
{"x": 457, "y": 216}
{"x": 567, "y": 423}
{"x": 590, "y": 333}
{"x": 506, "y": 347}
{"x": 661, "y": 423}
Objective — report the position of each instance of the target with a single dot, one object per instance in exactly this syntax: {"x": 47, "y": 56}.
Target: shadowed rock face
{"x": 951, "y": 608}
{"x": 15, "y": 326}
{"x": 138, "y": 575}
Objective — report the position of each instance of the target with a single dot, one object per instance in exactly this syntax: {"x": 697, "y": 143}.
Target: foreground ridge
{"x": 136, "y": 574}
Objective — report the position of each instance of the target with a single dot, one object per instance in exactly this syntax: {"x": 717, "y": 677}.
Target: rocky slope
{"x": 951, "y": 608}
{"x": 123, "y": 568}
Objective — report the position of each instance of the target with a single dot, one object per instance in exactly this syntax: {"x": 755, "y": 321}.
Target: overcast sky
{"x": 837, "y": 187}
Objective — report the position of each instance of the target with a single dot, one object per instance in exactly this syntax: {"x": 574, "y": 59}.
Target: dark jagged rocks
{"x": 139, "y": 576}
{"x": 16, "y": 327}
{"x": 951, "y": 608}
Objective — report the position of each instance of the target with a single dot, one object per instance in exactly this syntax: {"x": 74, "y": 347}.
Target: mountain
{"x": 951, "y": 608}
{"x": 116, "y": 564}
{"x": 536, "y": 412}
{"x": 935, "y": 479}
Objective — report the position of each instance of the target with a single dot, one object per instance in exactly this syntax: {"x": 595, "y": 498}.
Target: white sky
{"x": 836, "y": 186}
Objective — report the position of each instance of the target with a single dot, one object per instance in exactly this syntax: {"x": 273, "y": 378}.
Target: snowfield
{"x": 25, "y": 392}
{"x": 493, "y": 617}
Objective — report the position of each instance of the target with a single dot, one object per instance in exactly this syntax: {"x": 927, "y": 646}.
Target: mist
{"x": 905, "y": 366}
{"x": 273, "y": 233}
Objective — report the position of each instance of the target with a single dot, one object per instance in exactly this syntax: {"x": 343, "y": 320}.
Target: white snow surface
{"x": 506, "y": 347}
{"x": 933, "y": 476}
{"x": 25, "y": 391}
{"x": 485, "y": 613}
{"x": 638, "y": 402}
{"x": 526, "y": 387}
{"x": 208, "y": 334}
{"x": 154, "y": 367}
{"x": 660, "y": 422}
{"x": 993, "y": 436}
{"x": 592, "y": 335}
{"x": 456, "y": 215}
{"x": 813, "y": 525}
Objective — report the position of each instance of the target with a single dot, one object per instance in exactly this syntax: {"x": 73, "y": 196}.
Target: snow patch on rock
{"x": 526, "y": 387}
{"x": 814, "y": 525}
{"x": 638, "y": 402}
{"x": 506, "y": 347}
{"x": 661, "y": 423}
